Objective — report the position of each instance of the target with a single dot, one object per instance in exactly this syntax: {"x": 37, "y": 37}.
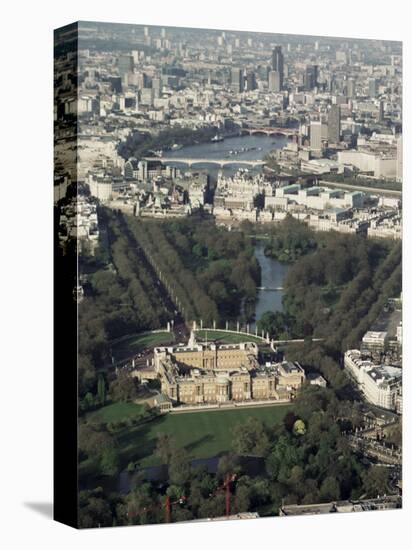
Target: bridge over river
{"x": 217, "y": 162}
{"x": 271, "y": 131}
{"x": 270, "y": 287}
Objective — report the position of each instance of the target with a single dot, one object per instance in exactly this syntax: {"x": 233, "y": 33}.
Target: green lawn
{"x": 131, "y": 345}
{"x": 116, "y": 412}
{"x": 203, "y": 434}
{"x": 227, "y": 337}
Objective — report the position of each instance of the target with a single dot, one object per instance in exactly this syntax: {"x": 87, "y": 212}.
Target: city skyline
{"x": 232, "y": 204}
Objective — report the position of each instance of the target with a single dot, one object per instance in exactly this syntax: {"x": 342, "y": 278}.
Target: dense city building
{"x": 333, "y": 112}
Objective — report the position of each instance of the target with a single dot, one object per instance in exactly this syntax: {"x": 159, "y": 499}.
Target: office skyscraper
{"x": 156, "y": 86}
{"x": 311, "y": 77}
{"x": 316, "y": 135}
{"x": 278, "y": 63}
{"x": 274, "y": 81}
{"x": 372, "y": 87}
{"x": 350, "y": 88}
{"x": 251, "y": 81}
{"x": 237, "y": 80}
{"x": 125, "y": 64}
{"x": 334, "y": 124}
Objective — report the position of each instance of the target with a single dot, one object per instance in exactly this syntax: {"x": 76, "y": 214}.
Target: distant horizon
{"x": 282, "y": 36}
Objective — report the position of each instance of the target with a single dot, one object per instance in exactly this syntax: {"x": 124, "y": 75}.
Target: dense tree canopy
{"x": 289, "y": 240}
{"x": 124, "y": 387}
{"x": 334, "y": 290}
{"x": 94, "y": 509}
{"x": 301, "y": 466}
{"x": 120, "y": 299}
{"x": 251, "y": 438}
{"x": 210, "y": 270}
{"x": 338, "y": 291}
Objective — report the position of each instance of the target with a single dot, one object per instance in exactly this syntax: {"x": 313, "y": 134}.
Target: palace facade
{"x": 217, "y": 373}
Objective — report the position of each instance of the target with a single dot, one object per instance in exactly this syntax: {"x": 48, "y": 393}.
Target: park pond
{"x": 273, "y": 273}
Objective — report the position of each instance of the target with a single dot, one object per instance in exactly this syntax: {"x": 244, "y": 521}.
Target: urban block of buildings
{"x": 321, "y": 207}
{"x": 390, "y": 502}
{"x": 339, "y": 116}
{"x": 78, "y": 220}
{"x": 380, "y": 384}
{"x": 377, "y": 366}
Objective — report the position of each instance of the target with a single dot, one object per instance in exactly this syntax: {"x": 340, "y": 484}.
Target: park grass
{"x": 131, "y": 345}
{"x": 203, "y": 434}
{"x": 227, "y": 337}
{"x": 115, "y": 412}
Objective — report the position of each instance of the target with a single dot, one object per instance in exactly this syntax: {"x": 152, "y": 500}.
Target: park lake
{"x": 271, "y": 290}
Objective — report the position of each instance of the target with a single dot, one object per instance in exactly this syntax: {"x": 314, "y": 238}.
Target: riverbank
{"x": 140, "y": 144}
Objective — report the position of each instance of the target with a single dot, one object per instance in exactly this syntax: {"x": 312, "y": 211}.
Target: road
{"x": 375, "y": 450}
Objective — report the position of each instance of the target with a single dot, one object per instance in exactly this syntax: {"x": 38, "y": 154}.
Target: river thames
{"x": 234, "y": 148}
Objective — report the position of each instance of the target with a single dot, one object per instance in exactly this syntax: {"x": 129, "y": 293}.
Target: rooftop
{"x": 386, "y": 373}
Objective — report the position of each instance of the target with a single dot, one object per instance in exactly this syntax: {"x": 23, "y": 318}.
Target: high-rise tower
{"x": 334, "y": 124}
{"x": 278, "y": 63}
{"x": 237, "y": 80}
